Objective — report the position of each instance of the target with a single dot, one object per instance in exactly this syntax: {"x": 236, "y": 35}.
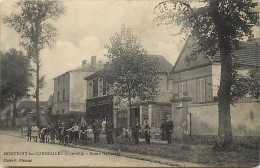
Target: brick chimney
{"x": 93, "y": 61}
{"x": 84, "y": 62}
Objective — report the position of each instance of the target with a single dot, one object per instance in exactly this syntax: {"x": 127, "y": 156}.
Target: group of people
{"x": 70, "y": 132}
{"x": 166, "y": 130}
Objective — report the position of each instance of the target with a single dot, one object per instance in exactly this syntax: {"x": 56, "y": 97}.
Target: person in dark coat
{"x": 96, "y": 130}
{"x": 136, "y": 129}
{"x": 147, "y": 136}
{"x": 109, "y": 132}
{"x": 83, "y": 133}
{"x": 168, "y": 129}
{"x": 29, "y": 132}
{"x": 52, "y": 133}
{"x": 70, "y": 133}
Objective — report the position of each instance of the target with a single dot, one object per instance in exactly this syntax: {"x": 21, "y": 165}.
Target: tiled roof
{"x": 247, "y": 54}
{"x": 163, "y": 64}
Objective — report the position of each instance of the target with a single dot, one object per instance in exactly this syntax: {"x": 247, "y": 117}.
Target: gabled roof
{"x": 248, "y": 53}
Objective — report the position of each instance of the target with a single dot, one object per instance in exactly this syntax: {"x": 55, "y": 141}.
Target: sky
{"x": 87, "y": 26}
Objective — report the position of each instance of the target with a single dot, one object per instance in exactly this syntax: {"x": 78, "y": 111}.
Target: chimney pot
{"x": 93, "y": 61}
{"x": 84, "y": 62}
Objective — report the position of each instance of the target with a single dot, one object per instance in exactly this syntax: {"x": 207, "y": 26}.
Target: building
{"x": 201, "y": 77}
{"x": 69, "y": 91}
{"x": 104, "y": 106}
{"x": 194, "y": 85}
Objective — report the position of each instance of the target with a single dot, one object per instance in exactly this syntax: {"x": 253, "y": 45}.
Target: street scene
{"x": 130, "y": 83}
{"x": 56, "y": 155}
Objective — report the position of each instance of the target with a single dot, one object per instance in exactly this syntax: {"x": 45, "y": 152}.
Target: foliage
{"x": 130, "y": 72}
{"x": 218, "y": 25}
{"x": 15, "y": 76}
{"x": 237, "y": 17}
{"x": 244, "y": 84}
{"x": 34, "y": 24}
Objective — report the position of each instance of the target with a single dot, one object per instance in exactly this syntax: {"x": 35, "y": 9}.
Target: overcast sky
{"x": 87, "y": 26}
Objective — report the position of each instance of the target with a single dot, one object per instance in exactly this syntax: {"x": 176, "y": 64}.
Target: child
{"x": 29, "y": 132}
{"x": 147, "y": 136}
{"x": 89, "y": 134}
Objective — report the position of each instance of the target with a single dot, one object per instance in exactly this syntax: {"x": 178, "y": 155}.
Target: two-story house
{"x": 201, "y": 77}
{"x": 103, "y": 106}
{"x": 69, "y": 90}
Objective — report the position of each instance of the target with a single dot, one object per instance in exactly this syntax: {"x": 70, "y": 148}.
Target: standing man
{"x": 168, "y": 126}
{"x": 96, "y": 130}
{"x": 109, "y": 132}
{"x": 136, "y": 129}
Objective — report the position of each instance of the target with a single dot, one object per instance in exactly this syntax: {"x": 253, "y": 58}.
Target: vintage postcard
{"x": 129, "y": 83}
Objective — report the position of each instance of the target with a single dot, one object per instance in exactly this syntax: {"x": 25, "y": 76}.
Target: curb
{"x": 152, "y": 159}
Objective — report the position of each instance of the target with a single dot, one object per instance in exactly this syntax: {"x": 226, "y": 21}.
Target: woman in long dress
{"x": 83, "y": 133}
{"x": 35, "y": 132}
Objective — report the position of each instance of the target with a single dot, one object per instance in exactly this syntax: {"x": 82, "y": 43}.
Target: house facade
{"x": 69, "y": 90}
{"x": 194, "y": 85}
{"x": 201, "y": 77}
{"x": 103, "y": 105}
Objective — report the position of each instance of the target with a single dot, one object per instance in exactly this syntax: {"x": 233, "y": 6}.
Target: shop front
{"x": 100, "y": 108}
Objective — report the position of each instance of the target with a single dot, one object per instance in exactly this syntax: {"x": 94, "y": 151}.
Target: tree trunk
{"x": 37, "y": 92}
{"x": 130, "y": 107}
{"x": 224, "y": 97}
{"x": 224, "y": 123}
{"x": 37, "y": 58}
{"x": 14, "y": 114}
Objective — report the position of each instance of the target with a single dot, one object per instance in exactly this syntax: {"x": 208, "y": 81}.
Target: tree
{"x": 218, "y": 25}
{"x": 33, "y": 24}
{"x": 15, "y": 78}
{"x": 130, "y": 72}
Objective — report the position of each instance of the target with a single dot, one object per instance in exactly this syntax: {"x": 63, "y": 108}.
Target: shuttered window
{"x": 182, "y": 89}
{"x": 95, "y": 88}
{"x": 201, "y": 93}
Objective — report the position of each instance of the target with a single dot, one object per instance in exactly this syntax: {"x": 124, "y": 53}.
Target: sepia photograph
{"x": 129, "y": 83}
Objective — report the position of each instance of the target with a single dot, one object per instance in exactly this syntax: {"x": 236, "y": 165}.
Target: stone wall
{"x": 245, "y": 118}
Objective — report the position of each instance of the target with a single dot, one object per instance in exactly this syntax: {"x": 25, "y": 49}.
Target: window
{"x": 201, "y": 90}
{"x": 182, "y": 89}
{"x": 58, "y": 81}
{"x": 63, "y": 95}
{"x": 170, "y": 85}
{"x": 58, "y": 96}
{"x": 104, "y": 89}
{"x": 95, "y": 88}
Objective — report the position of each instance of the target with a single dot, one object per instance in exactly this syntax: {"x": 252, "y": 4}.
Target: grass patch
{"x": 239, "y": 155}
